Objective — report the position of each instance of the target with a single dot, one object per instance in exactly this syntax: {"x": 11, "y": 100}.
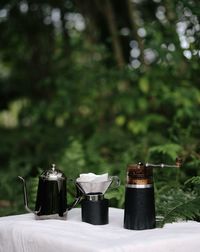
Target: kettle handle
{"x": 79, "y": 196}
{"x": 26, "y": 197}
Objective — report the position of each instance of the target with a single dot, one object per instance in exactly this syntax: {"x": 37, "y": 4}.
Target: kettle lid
{"x": 53, "y": 174}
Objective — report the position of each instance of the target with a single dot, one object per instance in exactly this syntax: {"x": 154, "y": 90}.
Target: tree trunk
{"x": 112, "y": 25}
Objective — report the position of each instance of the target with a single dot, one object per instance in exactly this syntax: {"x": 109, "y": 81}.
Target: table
{"x": 22, "y": 233}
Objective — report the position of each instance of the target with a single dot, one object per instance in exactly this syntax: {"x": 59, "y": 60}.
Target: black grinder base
{"x": 139, "y": 209}
{"x": 94, "y": 209}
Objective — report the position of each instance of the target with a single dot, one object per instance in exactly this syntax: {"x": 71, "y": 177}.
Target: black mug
{"x": 94, "y": 209}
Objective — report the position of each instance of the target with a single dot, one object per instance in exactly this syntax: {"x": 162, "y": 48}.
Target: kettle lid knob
{"x": 53, "y": 167}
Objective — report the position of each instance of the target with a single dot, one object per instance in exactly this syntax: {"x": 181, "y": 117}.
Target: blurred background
{"x": 94, "y": 85}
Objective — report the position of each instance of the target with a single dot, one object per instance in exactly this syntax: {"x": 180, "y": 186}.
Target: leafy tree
{"x": 94, "y": 85}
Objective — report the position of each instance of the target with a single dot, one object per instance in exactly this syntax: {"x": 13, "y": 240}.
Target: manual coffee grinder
{"x": 139, "y": 210}
{"x": 94, "y": 207}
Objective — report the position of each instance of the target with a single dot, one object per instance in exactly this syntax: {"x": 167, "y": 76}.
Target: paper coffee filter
{"x": 92, "y": 177}
{"x": 92, "y": 183}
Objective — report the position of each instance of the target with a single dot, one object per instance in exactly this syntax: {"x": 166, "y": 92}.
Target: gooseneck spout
{"x": 25, "y": 196}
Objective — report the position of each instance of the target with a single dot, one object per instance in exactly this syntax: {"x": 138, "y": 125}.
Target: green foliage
{"x": 193, "y": 180}
{"x": 185, "y": 211}
{"x": 65, "y": 100}
{"x": 170, "y": 150}
{"x": 175, "y": 203}
{"x": 116, "y": 197}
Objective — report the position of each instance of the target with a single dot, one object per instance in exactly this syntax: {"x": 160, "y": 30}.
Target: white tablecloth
{"x": 22, "y": 233}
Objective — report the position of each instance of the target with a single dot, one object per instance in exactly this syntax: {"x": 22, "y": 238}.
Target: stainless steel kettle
{"x": 51, "y": 201}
